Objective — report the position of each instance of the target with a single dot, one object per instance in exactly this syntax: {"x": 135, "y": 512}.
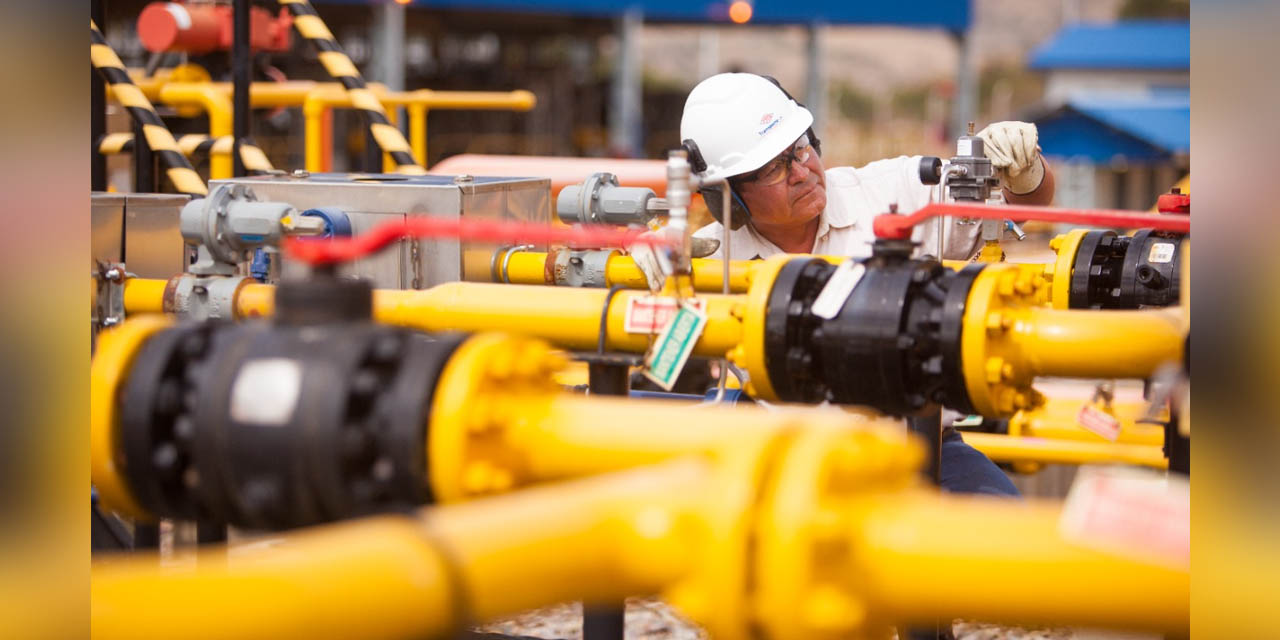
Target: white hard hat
{"x": 740, "y": 121}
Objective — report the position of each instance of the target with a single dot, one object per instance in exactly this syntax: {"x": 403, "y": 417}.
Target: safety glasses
{"x": 779, "y": 168}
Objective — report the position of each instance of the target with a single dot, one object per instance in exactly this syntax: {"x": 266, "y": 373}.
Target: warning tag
{"x": 1136, "y": 513}
{"x": 650, "y": 314}
{"x": 1099, "y": 422}
{"x": 1161, "y": 252}
{"x": 673, "y": 346}
{"x": 838, "y": 289}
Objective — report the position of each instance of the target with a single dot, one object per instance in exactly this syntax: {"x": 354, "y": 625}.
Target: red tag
{"x": 1099, "y": 422}
{"x": 652, "y": 314}
{"x": 1132, "y": 512}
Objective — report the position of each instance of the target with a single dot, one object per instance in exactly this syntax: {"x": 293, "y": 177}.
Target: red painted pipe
{"x": 895, "y": 226}
{"x": 335, "y": 250}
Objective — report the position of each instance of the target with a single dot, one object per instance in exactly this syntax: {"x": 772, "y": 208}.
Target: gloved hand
{"x": 1014, "y": 150}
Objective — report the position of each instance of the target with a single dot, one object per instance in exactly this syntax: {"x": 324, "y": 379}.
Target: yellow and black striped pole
{"x": 195, "y": 146}
{"x": 180, "y": 172}
{"x": 344, "y": 71}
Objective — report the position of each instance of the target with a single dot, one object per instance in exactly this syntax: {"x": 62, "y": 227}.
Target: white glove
{"x": 1014, "y": 150}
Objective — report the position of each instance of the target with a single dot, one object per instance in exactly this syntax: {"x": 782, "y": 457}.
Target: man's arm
{"x": 1041, "y": 195}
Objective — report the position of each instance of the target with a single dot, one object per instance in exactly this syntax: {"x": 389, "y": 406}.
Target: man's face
{"x": 795, "y": 200}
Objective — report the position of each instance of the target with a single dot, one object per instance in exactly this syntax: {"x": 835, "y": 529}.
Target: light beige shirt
{"x": 855, "y": 196}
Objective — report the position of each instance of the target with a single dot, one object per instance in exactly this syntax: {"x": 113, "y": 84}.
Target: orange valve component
{"x": 203, "y": 28}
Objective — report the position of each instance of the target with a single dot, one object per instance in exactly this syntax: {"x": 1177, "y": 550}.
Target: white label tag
{"x": 266, "y": 392}
{"x": 964, "y": 147}
{"x": 674, "y": 345}
{"x": 838, "y": 289}
{"x": 1161, "y": 252}
{"x": 1099, "y": 422}
{"x": 651, "y": 314}
{"x": 1131, "y": 512}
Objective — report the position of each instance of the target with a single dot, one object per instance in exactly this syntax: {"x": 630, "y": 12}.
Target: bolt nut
{"x": 995, "y": 369}
{"x": 301, "y": 173}
{"x": 463, "y": 179}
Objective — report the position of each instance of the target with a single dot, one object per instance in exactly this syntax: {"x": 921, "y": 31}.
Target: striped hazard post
{"x": 195, "y": 146}
{"x": 311, "y": 27}
{"x": 180, "y": 172}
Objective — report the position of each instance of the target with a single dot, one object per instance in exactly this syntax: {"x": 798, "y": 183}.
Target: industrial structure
{"x": 365, "y": 390}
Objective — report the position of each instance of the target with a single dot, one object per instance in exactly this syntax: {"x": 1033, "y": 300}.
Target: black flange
{"x": 1126, "y": 272}
{"x": 894, "y": 345}
{"x": 273, "y": 426}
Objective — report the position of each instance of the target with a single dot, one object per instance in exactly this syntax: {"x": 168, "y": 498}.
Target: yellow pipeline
{"x": 853, "y": 556}
{"x": 1008, "y": 340}
{"x": 1017, "y": 449}
{"x": 143, "y": 295}
{"x": 1005, "y": 344}
{"x": 417, "y": 103}
{"x": 218, "y": 107}
{"x": 1102, "y": 344}
{"x": 498, "y": 422}
{"x": 531, "y": 267}
{"x": 1057, "y": 420}
{"x": 564, "y": 316}
{"x": 999, "y": 566}
{"x": 400, "y": 577}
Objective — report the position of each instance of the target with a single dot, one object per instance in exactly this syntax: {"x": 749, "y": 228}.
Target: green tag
{"x": 674, "y": 345}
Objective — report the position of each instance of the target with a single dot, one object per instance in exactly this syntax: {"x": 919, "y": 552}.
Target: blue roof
{"x": 1120, "y": 45}
{"x": 1100, "y": 127}
{"x": 954, "y": 15}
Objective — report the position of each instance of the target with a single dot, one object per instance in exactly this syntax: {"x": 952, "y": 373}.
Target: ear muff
{"x": 738, "y": 212}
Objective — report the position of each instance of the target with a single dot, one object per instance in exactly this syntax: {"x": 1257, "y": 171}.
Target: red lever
{"x": 899, "y": 227}
{"x": 333, "y": 250}
{"x": 1175, "y": 202}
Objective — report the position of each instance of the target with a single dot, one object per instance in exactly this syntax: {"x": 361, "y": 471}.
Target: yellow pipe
{"x": 917, "y": 559}
{"x": 1057, "y": 420}
{"x": 498, "y": 422}
{"x": 1003, "y": 448}
{"x": 530, "y": 267}
{"x": 866, "y": 555}
{"x": 143, "y": 295}
{"x": 518, "y": 100}
{"x": 217, "y": 105}
{"x": 1098, "y": 344}
{"x": 418, "y": 132}
{"x": 400, "y": 577}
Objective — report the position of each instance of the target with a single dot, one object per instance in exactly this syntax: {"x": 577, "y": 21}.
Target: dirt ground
{"x": 651, "y": 619}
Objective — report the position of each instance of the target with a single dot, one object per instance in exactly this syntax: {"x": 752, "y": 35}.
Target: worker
{"x": 747, "y": 130}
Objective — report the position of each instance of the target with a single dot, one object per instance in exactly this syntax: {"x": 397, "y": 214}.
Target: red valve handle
{"x": 899, "y": 227}
{"x": 334, "y": 250}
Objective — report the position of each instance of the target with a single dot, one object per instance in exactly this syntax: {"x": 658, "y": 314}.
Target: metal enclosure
{"x": 140, "y": 230}
{"x": 371, "y": 199}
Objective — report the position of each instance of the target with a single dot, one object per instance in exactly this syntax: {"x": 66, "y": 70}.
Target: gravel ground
{"x": 651, "y": 619}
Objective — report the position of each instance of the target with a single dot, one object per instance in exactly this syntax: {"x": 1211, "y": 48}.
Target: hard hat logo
{"x": 769, "y": 122}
